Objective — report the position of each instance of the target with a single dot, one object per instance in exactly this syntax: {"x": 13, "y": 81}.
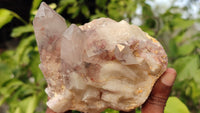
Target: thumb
{"x": 160, "y": 93}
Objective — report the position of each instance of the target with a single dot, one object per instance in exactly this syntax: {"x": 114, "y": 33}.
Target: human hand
{"x": 159, "y": 95}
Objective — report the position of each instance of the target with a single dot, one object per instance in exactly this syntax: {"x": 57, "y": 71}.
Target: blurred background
{"x": 175, "y": 23}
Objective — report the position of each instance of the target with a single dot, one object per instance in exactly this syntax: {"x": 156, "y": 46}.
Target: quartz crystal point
{"x": 102, "y": 64}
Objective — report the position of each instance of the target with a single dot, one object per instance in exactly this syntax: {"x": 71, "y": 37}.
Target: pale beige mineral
{"x": 102, "y": 64}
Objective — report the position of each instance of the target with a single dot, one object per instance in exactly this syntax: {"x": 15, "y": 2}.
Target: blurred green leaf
{"x": 5, "y": 73}
{"x": 110, "y": 111}
{"x": 138, "y": 110}
{"x": 32, "y": 104}
{"x": 146, "y": 11}
{"x": 186, "y": 49}
{"x": 101, "y": 3}
{"x": 85, "y": 11}
{"x": 5, "y": 17}
{"x": 131, "y": 6}
{"x": 180, "y": 23}
{"x": 18, "y": 110}
{"x": 115, "y": 11}
{"x": 186, "y": 67}
{"x": 23, "y": 46}
{"x": 173, "y": 50}
{"x": 63, "y": 4}
{"x": 97, "y": 15}
{"x": 195, "y": 91}
{"x": 197, "y": 42}
{"x": 9, "y": 88}
{"x": 18, "y": 17}
{"x": 18, "y": 31}
{"x": 179, "y": 38}
{"x": 52, "y": 5}
{"x": 174, "y": 105}
{"x": 148, "y": 30}
{"x": 66, "y": 2}
{"x": 197, "y": 77}
{"x": 74, "y": 11}
{"x": 75, "y": 111}
{"x": 34, "y": 67}
{"x": 28, "y": 104}
{"x": 35, "y": 5}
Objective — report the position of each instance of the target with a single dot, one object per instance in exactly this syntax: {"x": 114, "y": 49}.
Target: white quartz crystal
{"x": 102, "y": 64}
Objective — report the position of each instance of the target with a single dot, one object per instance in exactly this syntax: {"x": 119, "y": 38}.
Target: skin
{"x": 158, "y": 97}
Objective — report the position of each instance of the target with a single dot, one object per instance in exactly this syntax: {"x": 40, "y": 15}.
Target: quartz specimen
{"x": 101, "y": 64}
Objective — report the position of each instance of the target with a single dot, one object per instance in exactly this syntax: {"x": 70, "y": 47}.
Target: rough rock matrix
{"x": 101, "y": 64}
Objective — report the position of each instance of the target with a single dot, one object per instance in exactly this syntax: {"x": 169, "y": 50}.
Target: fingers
{"x": 160, "y": 93}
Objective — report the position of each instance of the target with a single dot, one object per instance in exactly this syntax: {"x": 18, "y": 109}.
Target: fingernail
{"x": 169, "y": 77}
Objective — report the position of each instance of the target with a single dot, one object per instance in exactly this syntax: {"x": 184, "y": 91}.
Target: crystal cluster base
{"x": 101, "y": 64}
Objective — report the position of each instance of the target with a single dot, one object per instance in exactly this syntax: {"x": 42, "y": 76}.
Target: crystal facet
{"x": 102, "y": 64}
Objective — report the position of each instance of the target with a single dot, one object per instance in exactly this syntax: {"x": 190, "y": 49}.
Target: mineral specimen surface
{"x": 101, "y": 64}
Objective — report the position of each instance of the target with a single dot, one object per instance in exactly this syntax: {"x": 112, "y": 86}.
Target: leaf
{"x": 110, "y": 111}
{"x": 74, "y": 11}
{"x": 186, "y": 67}
{"x": 172, "y": 48}
{"x": 114, "y": 11}
{"x": 5, "y": 73}
{"x": 85, "y": 11}
{"x": 35, "y": 5}
{"x": 148, "y": 30}
{"x": 138, "y": 110}
{"x": 63, "y": 4}
{"x": 131, "y": 6}
{"x": 36, "y": 72}
{"x": 32, "y": 104}
{"x": 197, "y": 77}
{"x": 5, "y": 17}
{"x": 28, "y": 104}
{"x": 147, "y": 11}
{"x": 22, "y": 47}
{"x": 75, "y": 111}
{"x": 8, "y": 89}
{"x": 174, "y": 105}
{"x": 195, "y": 91}
{"x": 52, "y": 5}
{"x": 179, "y": 38}
{"x": 18, "y": 31}
{"x": 101, "y": 3}
{"x": 180, "y": 23}
{"x": 197, "y": 42}
{"x": 18, "y": 17}
{"x": 186, "y": 49}
{"x": 66, "y": 2}
{"x": 97, "y": 15}
{"x": 18, "y": 110}
{"x": 23, "y": 91}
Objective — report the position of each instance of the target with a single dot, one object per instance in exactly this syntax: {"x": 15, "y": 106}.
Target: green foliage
{"x": 5, "y": 17}
{"x": 174, "y": 105}
{"x": 187, "y": 69}
{"x": 18, "y": 31}
{"x": 110, "y": 111}
{"x": 22, "y": 83}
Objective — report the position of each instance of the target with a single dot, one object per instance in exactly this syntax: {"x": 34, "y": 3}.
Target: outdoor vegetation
{"x": 22, "y": 83}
